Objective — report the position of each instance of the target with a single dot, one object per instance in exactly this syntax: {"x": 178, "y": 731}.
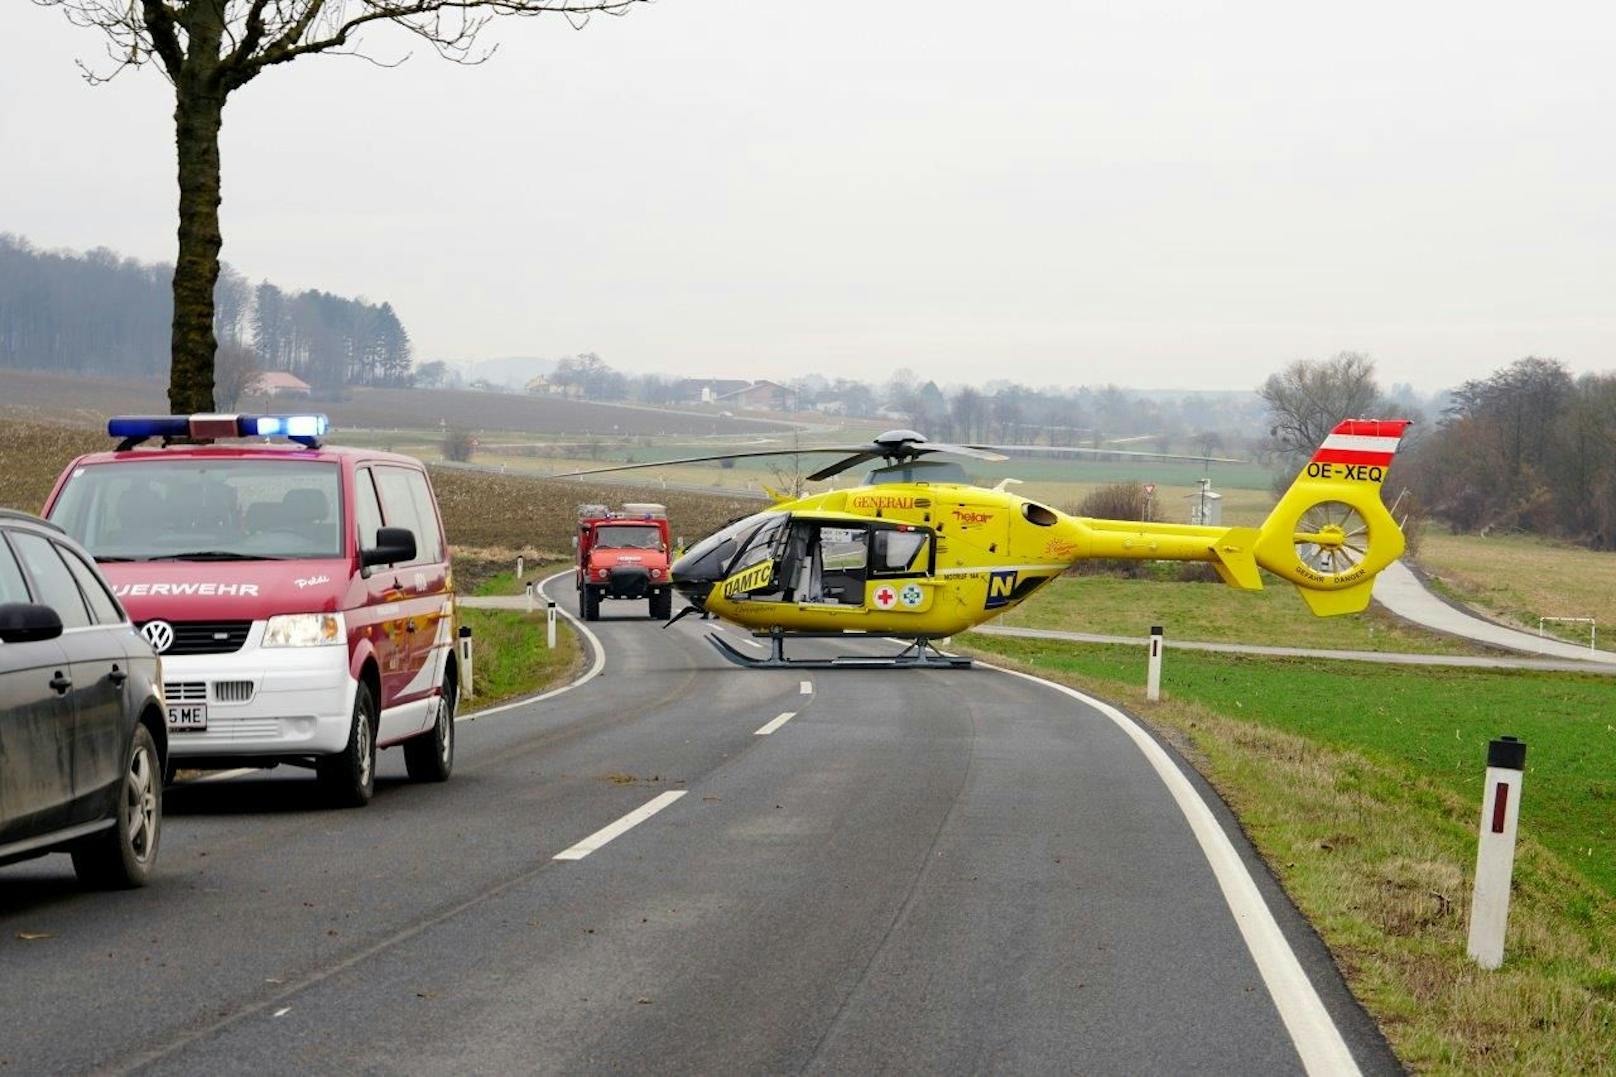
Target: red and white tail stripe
{"x": 1362, "y": 441}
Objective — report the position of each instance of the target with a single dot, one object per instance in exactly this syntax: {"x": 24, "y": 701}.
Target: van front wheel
{"x": 430, "y": 756}
{"x": 349, "y": 777}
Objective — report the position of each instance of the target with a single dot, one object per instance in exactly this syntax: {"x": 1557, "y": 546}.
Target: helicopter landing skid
{"x": 920, "y": 654}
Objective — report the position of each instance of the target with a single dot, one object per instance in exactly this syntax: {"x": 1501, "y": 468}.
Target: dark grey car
{"x": 83, "y": 742}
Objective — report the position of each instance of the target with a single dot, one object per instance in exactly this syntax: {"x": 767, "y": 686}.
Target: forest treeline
{"x": 1530, "y": 447}
{"x": 101, "y": 313}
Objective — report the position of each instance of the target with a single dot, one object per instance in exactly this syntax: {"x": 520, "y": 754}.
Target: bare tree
{"x": 208, "y": 49}
{"x": 236, "y": 373}
{"x": 1307, "y": 399}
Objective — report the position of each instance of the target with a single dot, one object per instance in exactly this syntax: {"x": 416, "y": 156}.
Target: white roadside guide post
{"x": 1153, "y": 678}
{"x": 549, "y": 623}
{"x": 519, "y": 567}
{"x": 528, "y": 590}
{"x": 1495, "y": 852}
{"x": 465, "y": 660}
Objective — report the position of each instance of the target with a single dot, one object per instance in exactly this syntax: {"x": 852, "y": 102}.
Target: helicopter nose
{"x": 694, "y": 584}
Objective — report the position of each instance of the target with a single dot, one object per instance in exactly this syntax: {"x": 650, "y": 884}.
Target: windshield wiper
{"x": 215, "y": 555}
{"x": 104, "y": 560}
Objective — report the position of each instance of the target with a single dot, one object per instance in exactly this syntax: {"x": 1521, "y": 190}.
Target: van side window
{"x": 53, "y": 582}
{"x": 399, "y": 509}
{"x": 367, "y": 509}
{"x": 429, "y": 540}
{"x": 12, "y": 587}
{"x": 106, "y": 610}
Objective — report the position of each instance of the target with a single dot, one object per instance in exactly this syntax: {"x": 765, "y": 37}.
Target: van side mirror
{"x": 393, "y": 545}
{"x": 22, "y": 622}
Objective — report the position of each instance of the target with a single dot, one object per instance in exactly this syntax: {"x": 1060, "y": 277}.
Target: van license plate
{"x": 187, "y": 716}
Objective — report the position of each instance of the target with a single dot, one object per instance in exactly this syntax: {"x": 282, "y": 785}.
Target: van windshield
{"x": 190, "y": 509}
{"x": 629, "y": 536}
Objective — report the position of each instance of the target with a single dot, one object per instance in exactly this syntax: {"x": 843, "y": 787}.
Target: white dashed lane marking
{"x": 807, "y": 688}
{"x": 621, "y": 827}
{"x": 776, "y": 723}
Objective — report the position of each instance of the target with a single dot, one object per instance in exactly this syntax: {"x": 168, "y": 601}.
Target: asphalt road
{"x": 941, "y": 871}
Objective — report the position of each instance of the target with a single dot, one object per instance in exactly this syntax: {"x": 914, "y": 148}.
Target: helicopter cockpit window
{"x": 760, "y": 547}
{"x": 1037, "y": 514}
{"x": 711, "y": 556}
{"x": 901, "y": 553}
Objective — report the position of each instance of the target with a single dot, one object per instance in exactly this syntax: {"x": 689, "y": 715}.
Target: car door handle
{"x": 118, "y": 676}
{"x": 61, "y": 683}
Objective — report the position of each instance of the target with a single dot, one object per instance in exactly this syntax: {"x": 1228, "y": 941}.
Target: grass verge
{"x": 1519, "y": 578}
{"x": 1213, "y": 612}
{"x": 510, "y": 659}
{"x": 1361, "y": 789}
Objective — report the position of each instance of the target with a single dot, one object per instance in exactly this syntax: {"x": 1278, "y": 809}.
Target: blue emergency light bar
{"x": 134, "y": 429}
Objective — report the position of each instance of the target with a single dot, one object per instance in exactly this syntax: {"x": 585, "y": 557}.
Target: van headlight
{"x": 305, "y": 630}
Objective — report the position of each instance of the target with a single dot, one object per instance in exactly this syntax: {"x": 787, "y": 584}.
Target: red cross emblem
{"x": 886, "y": 598}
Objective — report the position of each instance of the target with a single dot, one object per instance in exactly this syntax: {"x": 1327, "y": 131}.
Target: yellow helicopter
{"x": 919, "y": 553}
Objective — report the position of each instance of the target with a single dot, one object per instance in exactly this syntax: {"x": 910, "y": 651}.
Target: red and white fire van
{"x": 300, "y": 596}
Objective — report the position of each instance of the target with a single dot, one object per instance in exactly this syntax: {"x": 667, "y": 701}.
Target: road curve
{"x": 921, "y": 871}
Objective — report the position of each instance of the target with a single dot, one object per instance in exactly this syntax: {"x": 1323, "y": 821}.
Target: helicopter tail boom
{"x": 1329, "y": 535}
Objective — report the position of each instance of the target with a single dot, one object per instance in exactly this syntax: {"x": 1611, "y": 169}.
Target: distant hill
{"x": 512, "y": 370}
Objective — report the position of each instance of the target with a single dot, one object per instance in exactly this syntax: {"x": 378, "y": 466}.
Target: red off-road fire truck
{"x": 624, "y": 554}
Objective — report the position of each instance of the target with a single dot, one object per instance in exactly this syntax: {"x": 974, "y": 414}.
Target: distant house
{"x": 279, "y": 383}
{"x": 542, "y": 384}
{"x": 706, "y": 390}
{"x": 761, "y": 396}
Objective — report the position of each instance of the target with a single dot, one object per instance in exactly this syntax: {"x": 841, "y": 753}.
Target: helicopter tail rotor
{"x": 1331, "y": 534}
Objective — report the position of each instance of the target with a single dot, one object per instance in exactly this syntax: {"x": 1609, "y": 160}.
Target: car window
{"x": 367, "y": 508}
{"x": 398, "y": 507}
{"x": 12, "y": 587}
{"x": 428, "y": 540}
{"x": 52, "y": 581}
{"x": 102, "y": 607}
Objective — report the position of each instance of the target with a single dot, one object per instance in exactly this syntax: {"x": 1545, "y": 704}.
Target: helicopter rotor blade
{"x": 840, "y": 449}
{"x": 842, "y": 465}
{"x": 975, "y": 452}
{"x": 1012, "y": 450}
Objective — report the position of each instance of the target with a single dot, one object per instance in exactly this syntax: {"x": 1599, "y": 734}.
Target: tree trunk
{"x": 198, "y": 115}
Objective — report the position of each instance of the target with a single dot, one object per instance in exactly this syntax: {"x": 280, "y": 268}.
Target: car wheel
{"x": 122, "y": 856}
{"x": 349, "y": 777}
{"x": 591, "y": 604}
{"x": 430, "y": 757}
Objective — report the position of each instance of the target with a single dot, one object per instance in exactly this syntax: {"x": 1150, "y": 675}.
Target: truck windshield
{"x": 628, "y": 536}
{"x": 205, "y": 510}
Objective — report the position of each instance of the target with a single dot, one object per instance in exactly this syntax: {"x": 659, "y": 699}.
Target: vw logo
{"x": 160, "y": 634}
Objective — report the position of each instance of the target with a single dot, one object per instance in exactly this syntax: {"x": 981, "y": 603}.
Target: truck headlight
{"x": 305, "y": 630}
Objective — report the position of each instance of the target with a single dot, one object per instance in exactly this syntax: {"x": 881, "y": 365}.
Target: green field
{"x": 1213, "y": 612}
{"x": 1361, "y": 787}
{"x": 1519, "y": 578}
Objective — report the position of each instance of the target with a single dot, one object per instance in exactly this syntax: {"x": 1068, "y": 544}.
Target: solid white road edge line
{"x": 1317, "y": 1040}
{"x": 622, "y": 826}
{"x": 775, "y": 723}
{"x": 588, "y": 675}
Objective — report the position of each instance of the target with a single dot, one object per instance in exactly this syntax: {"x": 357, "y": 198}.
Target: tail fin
{"x": 1331, "y": 533}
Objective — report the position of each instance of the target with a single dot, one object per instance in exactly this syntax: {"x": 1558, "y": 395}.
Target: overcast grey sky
{"x": 1152, "y": 194}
